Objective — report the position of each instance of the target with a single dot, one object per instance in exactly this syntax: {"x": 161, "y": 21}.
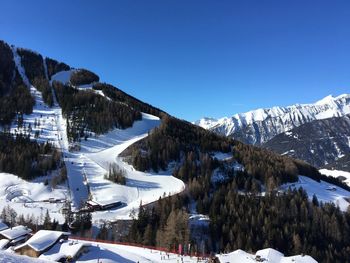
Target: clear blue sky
{"x": 195, "y": 58}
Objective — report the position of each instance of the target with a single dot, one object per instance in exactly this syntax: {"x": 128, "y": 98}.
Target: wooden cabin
{"x": 41, "y": 242}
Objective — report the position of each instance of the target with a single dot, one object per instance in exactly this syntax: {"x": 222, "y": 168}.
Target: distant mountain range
{"x": 319, "y": 142}
{"x": 317, "y": 133}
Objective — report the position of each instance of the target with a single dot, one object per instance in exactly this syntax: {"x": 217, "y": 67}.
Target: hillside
{"x": 320, "y": 142}
{"x": 100, "y": 155}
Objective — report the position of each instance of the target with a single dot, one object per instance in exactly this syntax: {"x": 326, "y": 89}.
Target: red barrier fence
{"x": 162, "y": 249}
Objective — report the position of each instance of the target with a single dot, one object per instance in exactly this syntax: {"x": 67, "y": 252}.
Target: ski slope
{"x": 87, "y": 167}
{"x": 97, "y": 154}
{"x": 111, "y": 253}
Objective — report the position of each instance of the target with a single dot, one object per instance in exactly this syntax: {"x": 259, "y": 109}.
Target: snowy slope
{"x": 87, "y": 167}
{"x": 97, "y": 154}
{"x": 30, "y": 198}
{"x": 320, "y": 142}
{"x": 342, "y": 175}
{"x": 62, "y": 76}
{"x": 325, "y": 192}
{"x": 110, "y": 253}
{"x": 260, "y": 125}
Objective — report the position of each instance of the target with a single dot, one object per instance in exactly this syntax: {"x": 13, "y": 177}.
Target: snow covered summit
{"x": 260, "y": 125}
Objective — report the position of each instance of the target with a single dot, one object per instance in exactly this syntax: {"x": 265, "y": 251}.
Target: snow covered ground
{"x": 265, "y": 255}
{"x": 97, "y": 154}
{"x": 31, "y": 198}
{"x": 112, "y": 253}
{"x": 324, "y": 191}
{"x": 87, "y": 167}
{"x": 7, "y": 257}
{"x": 336, "y": 174}
{"x": 109, "y": 253}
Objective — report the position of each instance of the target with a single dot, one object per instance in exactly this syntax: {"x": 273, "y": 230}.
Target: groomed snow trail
{"x": 87, "y": 167}
{"x": 99, "y": 153}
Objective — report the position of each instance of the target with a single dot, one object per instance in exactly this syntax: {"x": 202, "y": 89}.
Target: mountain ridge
{"x": 260, "y": 125}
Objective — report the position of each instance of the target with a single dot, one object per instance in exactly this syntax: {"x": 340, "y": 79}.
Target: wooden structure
{"x": 41, "y": 242}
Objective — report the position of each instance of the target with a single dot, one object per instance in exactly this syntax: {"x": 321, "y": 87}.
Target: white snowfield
{"x": 325, "y": 192}
{"x": 97, "y": 154}
{"x": 111, "y": 253}
{"x": 336, "y": 174}
{"x": 266, "y": 255}
{"x": 31, "y": 198}
{"x": 63, "y": 76}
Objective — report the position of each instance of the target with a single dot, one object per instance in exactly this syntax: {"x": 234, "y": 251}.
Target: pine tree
{"x": 47, "y": 220}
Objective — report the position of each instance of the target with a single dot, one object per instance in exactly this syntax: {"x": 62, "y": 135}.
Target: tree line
{"x": 15, "y": 97}
{"x": 25, "y": 158}
{"x": 54, "y": 67}
{"x": 83, "y": 76}
{"x": 163, "y": 225}
{"x": 88, "y": 112}
{"x": 120, "y": 96}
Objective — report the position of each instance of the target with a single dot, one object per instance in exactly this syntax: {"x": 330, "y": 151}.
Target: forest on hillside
{"x": 25, "y": 158}
{"x": 88, "y": 112}
{"x": 118, "y": 95}
{"x": 15, "y": 97}
{"x": 240, "y": 217}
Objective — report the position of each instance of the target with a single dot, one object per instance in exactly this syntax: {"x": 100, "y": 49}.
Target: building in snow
{"x": 16, "y": 234}
{"x": 66, "y": 251}
{"x": 41, "y": 242}
{"x": 96, "y": 206}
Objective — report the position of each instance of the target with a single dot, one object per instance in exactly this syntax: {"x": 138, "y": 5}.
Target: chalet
{"x": 66, "y": 251}
{"x": 41, "y": 242}
{"x": 16, "y": 234}
{"x": 96, "y": 206}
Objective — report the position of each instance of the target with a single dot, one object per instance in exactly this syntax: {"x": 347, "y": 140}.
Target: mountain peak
{"x": 260, "y": 125}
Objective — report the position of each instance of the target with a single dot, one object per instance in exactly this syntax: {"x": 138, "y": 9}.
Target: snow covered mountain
{"x": 117, "y": 152}
{"x": 259, "y": 126}
{"x": 320, "y": 142}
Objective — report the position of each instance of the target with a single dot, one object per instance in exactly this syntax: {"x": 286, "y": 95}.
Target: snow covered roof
{"x": 62, "y": 250}
{"x": 3, "y": 226}
{"x": 267, "y": 255}
{"x": 3, "y": 243}
{"x": 43, "y": 239}
{"x": 15, "y": 232}
{"x": 270, "y": 254}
